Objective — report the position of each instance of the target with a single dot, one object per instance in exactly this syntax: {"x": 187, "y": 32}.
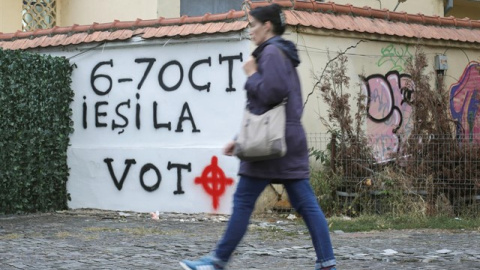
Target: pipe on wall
{"x": 448, "y": 7}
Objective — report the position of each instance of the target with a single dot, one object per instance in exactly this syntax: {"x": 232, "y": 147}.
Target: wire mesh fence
{"x": 436, "y": 174}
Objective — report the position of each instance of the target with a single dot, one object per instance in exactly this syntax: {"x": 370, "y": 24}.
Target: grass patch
{"x": 375, "y": 222}
{"x": 11, "y": 236}
{"x": 141, "y": 231}
{"x": 63, "y": 234}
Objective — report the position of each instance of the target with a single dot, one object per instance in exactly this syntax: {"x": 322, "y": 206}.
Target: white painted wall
{"x": 99, "y": 144}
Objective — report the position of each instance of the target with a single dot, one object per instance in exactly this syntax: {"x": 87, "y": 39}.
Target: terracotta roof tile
{"x": 36, "y": 42}
{"x": 306, "y": 13}
{"x": 125, "y": 34}
{"x": 69, "y": 40}
{"x": 327, "y": 22}
{"x": 160, "y": 32}
{"x": 175, "y": 30}
{"x": 147, "y": 23}
{"x": 58, "y": 40}
{"x": 255, "y": 4}
{"x": 6, "y": 45}
{"x": 304, "y": 5}
{"x": 405, "y": 30}
{"x": 138, "y": 31}
{"x": 398, "y": 16}
{"x": 151, "y": 31}
{"x": 348, "y": 22}
{"x": 172, "y": 21}
{"x": 122, "y": 30}
{"x": 434, "y": 20}
{"x": 102, "y": 36}
{"x": 20, "y": 34}
{"x": 115, "y": 35}
{"x": 45, "y": 43}
{"x": 217, "y": 17}
{"x": 188, "y": 29}
{"x": 103, "y": 26}
{"x": 92, "y": 37}
{"x": 436, "y": 35}
{"x": 238, "y": 25}
{"x": 7, "y": 36}
{"x": 402, "y": 26}
{"x": 215, "y": 27}
{"x": 41, "y": 32}
{"x": 465, "y": 34}
{"x": 225, "y": 28}
{"x": 452, "y": 34}
{"x": 202, "y": 28}
{"x": 386, "y": 27}
{"x": 410, "y": 30}
{"x": 291, "y": 18}
{"x": 19, "y": 43}
{"x": 424, "y": 31}
{"x": 27, "y": 44}
{"x": 300, "y": 20}
{"x": 395, "y": 28}
{"x": 122, "y": 24}
{"x": 475, "y": 24}
{"x": 78, "y": 38}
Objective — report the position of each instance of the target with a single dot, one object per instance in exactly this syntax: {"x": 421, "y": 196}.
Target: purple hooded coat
{"x": 275, "y": 79}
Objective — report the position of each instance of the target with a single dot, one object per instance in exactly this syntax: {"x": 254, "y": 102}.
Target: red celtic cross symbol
{"x": 214, "y": 181}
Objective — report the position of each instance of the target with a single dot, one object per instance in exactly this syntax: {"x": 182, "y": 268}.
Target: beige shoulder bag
{"x": 262, "y": 137}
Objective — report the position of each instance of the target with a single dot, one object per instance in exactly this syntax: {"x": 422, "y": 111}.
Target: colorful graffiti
{"x": 388, "y": 111}
{"x": 465, "y": 102}
{"x": 396, "y": 56}
{"x": 214, "y": 181}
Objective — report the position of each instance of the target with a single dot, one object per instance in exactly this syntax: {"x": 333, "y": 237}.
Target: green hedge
{"x": 35, "y": 123}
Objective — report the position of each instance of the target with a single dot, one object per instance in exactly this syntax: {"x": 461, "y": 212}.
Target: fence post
{"x": 333, "y": 145}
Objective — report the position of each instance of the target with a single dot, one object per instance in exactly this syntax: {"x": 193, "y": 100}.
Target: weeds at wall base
{"x": 405, "y": 222}
{"x": 434, "y": 172}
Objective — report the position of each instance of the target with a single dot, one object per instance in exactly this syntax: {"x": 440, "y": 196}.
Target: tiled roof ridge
{"x": 305, "y": 13}
{"x": 385, "y": 14}
{"x": 231, "y": 15}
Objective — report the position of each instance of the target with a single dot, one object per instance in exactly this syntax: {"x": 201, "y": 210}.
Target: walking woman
{"x": 272, "y": 77}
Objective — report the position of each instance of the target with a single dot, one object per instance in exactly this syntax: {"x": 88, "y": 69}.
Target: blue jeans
{"x": 302, "y": 199}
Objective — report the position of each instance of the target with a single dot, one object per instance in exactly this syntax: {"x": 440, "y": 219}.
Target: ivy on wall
{"x": 35, "y": 123}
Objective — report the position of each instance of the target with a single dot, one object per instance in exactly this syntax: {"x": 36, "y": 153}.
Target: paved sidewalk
{"x": 92, "y": 239}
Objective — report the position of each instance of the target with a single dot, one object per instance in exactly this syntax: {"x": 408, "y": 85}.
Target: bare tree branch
{"x": 325, "y": 68}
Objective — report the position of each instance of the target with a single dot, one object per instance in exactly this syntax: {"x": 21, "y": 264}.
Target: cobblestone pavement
{"x": 92, "y": 239}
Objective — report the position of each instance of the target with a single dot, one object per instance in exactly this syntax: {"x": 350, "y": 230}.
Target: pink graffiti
{"x": 465, "y": 103}
{"x": 388, "y": 111}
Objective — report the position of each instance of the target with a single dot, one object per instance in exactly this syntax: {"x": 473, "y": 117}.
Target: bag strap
{"x": 285, "y": 99}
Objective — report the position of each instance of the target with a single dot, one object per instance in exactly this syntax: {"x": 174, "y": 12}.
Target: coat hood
{"x": 286, "y": 46}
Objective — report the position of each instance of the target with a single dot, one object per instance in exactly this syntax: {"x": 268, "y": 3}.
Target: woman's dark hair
{"x": 272, "y": 13}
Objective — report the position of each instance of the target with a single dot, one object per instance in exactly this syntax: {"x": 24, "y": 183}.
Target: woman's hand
{"x": 250, "y": 66}
{"x": 228, "y": 149}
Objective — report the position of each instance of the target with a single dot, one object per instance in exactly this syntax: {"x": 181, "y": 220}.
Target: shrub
{"x": 35, "y": 95}
{"x": 435, "y": 171}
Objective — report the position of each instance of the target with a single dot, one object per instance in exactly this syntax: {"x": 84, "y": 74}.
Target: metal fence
{"x": 443, "y": 172}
